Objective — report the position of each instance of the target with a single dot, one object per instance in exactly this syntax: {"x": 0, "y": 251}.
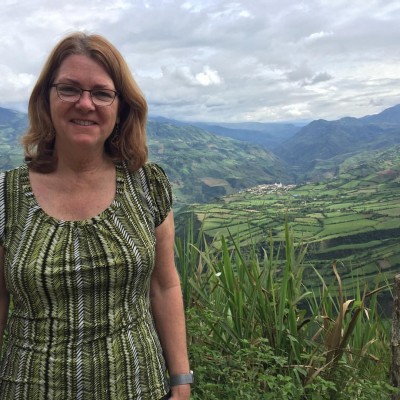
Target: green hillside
{"x": 12, "y": 124}
{"x": 354, "y": 218}
{"x": 354, "y": 165}
{"x": 202, "y": 166}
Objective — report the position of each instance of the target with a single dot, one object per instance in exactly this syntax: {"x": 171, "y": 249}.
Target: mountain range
{"x": 208, "y": 160}
{"x": 323, "y": 140}
{"x": 268, "y": 135}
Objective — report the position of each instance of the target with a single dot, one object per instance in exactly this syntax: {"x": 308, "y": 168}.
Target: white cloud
{"x": 13, "y": 85}
{"x": 208, "y": 77}
{"x": 223, "y": 59}
{"x": 318, "y": 35}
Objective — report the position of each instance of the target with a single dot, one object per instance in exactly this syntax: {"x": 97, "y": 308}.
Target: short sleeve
{"x": 2, "y": 207}
{"x": 159, "y": 191}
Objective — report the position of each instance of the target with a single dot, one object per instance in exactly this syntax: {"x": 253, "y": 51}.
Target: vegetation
{"x": 12, "y": 124}
{"x": 257, "y": 332}
{"x": 353, "y": 219}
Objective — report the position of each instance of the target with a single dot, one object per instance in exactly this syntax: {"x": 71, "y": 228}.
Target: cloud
{"x": 304, "y": 76}
{"x": 183, "y": 75}
{"x": 317, "y": 36}
{"x": 208, "y": 77}
{"x": 13, "y": 84}
{"x": 320, "y": 77}
{"x": 223, "y": 60}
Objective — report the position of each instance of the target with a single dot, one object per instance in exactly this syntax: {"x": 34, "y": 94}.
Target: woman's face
{"x": 82, "y": 125}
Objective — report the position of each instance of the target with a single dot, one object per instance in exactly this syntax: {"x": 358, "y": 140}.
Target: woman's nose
{"x": 85, "y": 101}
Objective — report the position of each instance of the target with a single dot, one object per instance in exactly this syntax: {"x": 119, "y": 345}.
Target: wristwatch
{"x": 181, "y": 379}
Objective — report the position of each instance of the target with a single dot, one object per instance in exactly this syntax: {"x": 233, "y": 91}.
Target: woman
{"x": 86, "y": 243}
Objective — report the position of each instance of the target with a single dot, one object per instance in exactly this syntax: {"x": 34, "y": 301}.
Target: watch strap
{"x": 181, "y": 379}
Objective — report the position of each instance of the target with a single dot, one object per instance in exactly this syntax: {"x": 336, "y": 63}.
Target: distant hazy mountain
{"x": 268, "y": 135}
{"x": 390, "y": 116}
{"x": 12, "y": 125}
{"x": 323, "y": 140}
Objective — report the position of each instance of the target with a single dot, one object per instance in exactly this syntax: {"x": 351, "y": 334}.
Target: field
{"x": 353, "y": 221}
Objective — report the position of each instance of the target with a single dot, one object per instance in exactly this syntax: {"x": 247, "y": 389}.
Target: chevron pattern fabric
{"x": 81, "y": 327}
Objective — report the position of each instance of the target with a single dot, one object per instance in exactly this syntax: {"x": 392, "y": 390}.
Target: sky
{"x": 222, "y": 60}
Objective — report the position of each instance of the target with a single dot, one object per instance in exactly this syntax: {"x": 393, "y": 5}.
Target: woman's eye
{"x": 103, "y": 94}
{"x": 69, "y": 90}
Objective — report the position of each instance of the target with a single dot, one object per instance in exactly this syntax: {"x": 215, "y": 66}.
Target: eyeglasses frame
{"x": 84, "y": 90}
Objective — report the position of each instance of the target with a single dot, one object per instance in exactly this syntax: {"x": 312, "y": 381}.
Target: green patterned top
{"x": 81, "y": 327}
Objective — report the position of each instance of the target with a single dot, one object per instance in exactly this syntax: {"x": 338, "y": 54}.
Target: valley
{"x": 353, "y": 221}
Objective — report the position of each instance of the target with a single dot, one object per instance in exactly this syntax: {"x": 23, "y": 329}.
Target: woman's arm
{"x": 4, "y": 298}
{"x": 167, "y": 306}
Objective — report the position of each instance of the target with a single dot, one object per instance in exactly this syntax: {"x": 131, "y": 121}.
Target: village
{"x": 274, "y": 188}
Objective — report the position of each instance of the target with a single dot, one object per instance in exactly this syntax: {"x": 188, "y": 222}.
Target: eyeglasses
{"x": 72, "y": 94}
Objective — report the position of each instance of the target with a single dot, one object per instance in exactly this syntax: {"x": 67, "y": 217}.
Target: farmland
{"x": 355, "y": 221}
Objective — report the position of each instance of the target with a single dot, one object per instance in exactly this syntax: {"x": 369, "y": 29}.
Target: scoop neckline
{"x": 114, "y": 205}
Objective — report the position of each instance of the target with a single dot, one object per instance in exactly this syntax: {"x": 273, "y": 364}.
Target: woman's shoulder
{"x": 155, "y": 178}
{"x": 150, "y": 173}
{"x": 8, "y": 181}
{"x": 157, "y": 188}
{"x": 153, "y": 169}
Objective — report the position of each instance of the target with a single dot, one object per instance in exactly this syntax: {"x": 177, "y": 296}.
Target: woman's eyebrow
{"x": 76, "y": 82}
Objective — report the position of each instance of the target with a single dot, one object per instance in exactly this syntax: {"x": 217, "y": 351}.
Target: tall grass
{"x": 256, "y": 331}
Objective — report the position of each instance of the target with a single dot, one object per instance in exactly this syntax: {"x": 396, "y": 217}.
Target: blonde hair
{"x": 128, "y": 144}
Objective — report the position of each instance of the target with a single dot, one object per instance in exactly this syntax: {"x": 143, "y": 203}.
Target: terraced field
{"x": 353, "y": 221}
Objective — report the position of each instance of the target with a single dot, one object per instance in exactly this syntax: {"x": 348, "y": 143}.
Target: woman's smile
{"x": 83, "y": 122}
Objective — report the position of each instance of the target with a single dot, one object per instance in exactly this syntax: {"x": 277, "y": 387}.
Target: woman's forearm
{"x": 167, "y": 308}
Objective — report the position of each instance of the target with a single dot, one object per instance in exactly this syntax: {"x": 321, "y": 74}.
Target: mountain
{"x": 268, "y": 135}
{"x": 376, "y": 163}
{"x": 12, "y": 125}
{"x": 323, "y": 140}
{"x": 203, "y": 166}
{"x": 316, "y": 151}
{"x": 390, "y": 116}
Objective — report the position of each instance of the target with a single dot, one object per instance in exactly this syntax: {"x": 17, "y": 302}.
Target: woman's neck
{"x": 81, "y": 162}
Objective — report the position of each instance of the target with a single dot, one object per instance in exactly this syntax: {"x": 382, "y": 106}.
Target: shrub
{"x": 255, "y": 331}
